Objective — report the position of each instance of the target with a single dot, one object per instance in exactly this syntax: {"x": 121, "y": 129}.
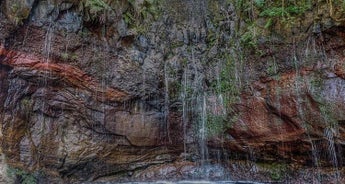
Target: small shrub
{"x": 22, "y": 176}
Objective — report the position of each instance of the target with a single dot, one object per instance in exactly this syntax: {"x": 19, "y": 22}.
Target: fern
{"x": 283, "y": 11}
{"x": 94, "y": 8}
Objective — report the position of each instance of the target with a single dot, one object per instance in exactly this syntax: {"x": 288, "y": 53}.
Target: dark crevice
{"x": 4, "y": 84}
{"x": 34, "y": 6}
{"x": 104, "y": 132}
{"x": 282, "y": 116}
{"x": 336, "y": 31}
{"x": 71, "y": 170}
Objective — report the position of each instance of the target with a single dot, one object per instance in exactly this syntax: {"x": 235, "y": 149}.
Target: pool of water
{"x": 194, "y": 182}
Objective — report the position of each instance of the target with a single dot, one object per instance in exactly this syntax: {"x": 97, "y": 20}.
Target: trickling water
{"x": 47, "y": 42}
{"x": 331, "y": 149}
{"x": 184, "y": 111}
{"x": 314, "y": 151}
{"x": 298, "y": 83}
{"x": 4, "y": 170}
{"x": 166, "y": 102}
{"x": 203, "y": 134}
{"x": 219, "y": 90}
{"x": 143, "y": 89}
{"x": 47, "y": 48}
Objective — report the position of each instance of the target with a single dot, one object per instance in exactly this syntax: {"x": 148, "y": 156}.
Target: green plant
{"x": 18, "y": 13}
{"x": 276, "y": 171}
{"x": 228, "y": 82}
{"x": 74, "y": 56}
{"x": 259, "y": 3}
{"x": 272, "y": 69}
{"x": 23, "y": 176}
{"x": 227, "y": 87}
{"x": 95, "y": 10}
{"x": 283, "y": 11}
{"x": 136, "y": 14}
{"x": 65, "y": 56}
{"x": 139, "y": 16}
{"x": 250, "y": 37}
{"x": 215, "y": 125}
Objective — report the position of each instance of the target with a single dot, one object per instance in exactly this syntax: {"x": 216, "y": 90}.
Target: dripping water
{"x": 203, "y": 134}
{"x": 142, "y": 107}
{"x": 47, "y": 48}
{"x": 315, "y": 153}
{"x": 47, "y": 42}
{"x": 184, "y": 111}
{"x": 166, "y": 103}
{"x": 329, "y": 134}
{"x": 301, "y": 114}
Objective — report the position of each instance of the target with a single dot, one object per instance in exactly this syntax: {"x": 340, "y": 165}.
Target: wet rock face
{"x": 70, "y": 110}
{"x": 290, "y": 114}
{"x": 64, "y": 118}
{"x": 96, "y": 99}
{"x": 4, "y": 83}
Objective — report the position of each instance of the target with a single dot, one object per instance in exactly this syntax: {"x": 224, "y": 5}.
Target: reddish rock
{"x": 71, "y": 75}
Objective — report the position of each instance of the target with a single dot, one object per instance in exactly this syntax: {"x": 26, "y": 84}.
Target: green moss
{"x": 174, "y": 90}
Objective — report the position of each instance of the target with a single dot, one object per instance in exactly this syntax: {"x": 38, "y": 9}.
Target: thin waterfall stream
{"x": 184, "y": 110}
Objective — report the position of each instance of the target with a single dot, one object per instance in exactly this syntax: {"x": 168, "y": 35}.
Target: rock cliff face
{"x": 135, "y": 90}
